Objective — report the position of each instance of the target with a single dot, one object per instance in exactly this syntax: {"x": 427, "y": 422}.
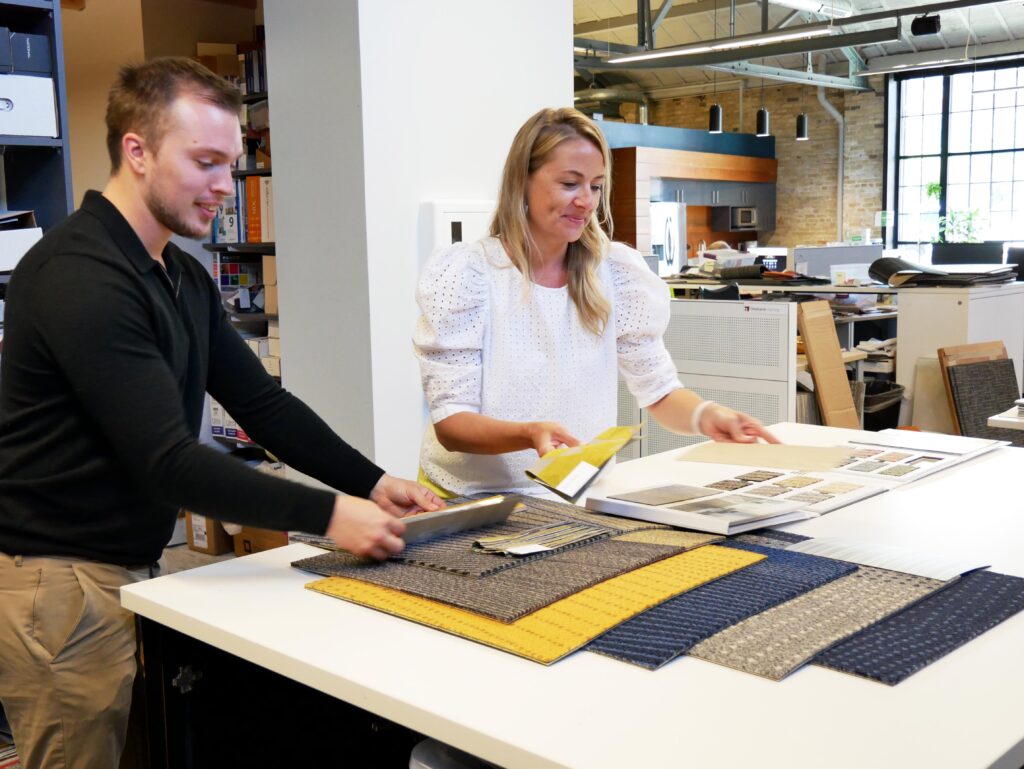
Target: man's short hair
{"x": 140, "y": 98}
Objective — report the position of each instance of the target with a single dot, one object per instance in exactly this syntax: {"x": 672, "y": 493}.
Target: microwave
{"x": 743, "y": 218}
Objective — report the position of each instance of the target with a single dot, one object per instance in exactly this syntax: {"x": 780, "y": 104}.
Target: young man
{"x": 113, "y": 336}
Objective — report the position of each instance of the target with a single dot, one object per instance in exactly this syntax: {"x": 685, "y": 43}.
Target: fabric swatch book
{"x": 897, "y": 272}
{"x": 699, "y": 508}
{"x": 568, "y": 471}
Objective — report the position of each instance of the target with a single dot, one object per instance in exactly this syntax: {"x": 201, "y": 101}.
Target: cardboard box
{"x": 18, "y": 233}
{"x": 269, "y": 270}
{"x": 254, "y": 540}
{"x": 270, "y": 300}
{"x": 27, "y": 106}
{"x": 274, "y": 346}
{"x": 206, "y": 535}
{"x": 274, "y": 329}
{"x": 272, "y": 365}
{"x": 831, "y": 385}
{"x": 31, "y": 53}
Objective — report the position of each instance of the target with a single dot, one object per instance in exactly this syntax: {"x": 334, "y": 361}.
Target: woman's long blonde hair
{"x": 531, "y": 149}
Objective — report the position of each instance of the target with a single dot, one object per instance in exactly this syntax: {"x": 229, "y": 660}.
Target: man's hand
{"x": 401, "y": 497}
{"x": 723, "y": 424}
{"x": 362, "y": 528}
{"x": 548, "y": 436}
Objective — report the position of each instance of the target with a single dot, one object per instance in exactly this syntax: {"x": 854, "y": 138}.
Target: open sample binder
{"x": 897, "y": 272}
{"x": 715, "y": 491}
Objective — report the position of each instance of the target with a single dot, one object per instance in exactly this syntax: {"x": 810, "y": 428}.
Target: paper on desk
{"x": 902, "y": 559}
{"x": 568, "y": 471}
{"x": 779, "y": 455}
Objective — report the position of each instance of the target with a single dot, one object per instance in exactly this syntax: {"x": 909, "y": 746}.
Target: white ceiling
{"x": 603, "y": 20}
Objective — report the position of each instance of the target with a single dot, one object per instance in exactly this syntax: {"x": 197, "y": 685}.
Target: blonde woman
{"x": 521, "y": 334}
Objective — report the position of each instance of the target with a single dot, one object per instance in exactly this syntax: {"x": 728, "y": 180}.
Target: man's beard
{"x": 171, "y": 220}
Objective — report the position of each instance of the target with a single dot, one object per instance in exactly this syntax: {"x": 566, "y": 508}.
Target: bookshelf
{"x": 36, "y": 170}
{"x": 243, "y": 251}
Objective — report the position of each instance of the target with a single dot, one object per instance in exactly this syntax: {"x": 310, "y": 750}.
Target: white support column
{"x": 377, "y": 108}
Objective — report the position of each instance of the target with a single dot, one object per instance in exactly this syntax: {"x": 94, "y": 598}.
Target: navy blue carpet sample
{"x": 896, "y": 648}
{"x": 665, "y": 632}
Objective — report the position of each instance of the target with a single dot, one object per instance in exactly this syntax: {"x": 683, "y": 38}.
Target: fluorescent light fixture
{"x": 820, "y": 29}
{"x": 835, "y": 10}
{"x": 957, "y": 61}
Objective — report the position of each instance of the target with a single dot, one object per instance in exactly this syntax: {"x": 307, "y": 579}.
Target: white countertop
{"x": 590, "y": 711}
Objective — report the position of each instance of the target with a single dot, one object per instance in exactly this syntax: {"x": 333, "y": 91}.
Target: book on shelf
{"x": 897, "y": 272}
{"x": 253, "y": 210}
{"x": 570, "y": 470}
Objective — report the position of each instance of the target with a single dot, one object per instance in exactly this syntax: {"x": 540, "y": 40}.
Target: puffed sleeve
{"x": 449, "y": 337}
{"x": 641, "y": 311}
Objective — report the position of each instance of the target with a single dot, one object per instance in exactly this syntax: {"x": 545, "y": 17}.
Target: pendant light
{"x": 715, "y": 119}
{"x": 715, "y": 113}
{"x": 802, "y": 134}
{"x": 763, "y": 125}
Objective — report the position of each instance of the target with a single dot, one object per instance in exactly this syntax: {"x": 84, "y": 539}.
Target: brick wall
{"x": 806, "y": 190}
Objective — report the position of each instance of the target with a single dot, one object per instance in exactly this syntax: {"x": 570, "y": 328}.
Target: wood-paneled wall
{"x": 634, "y": 167}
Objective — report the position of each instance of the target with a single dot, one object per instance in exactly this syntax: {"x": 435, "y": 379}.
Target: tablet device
{"x": 467, "y": 515}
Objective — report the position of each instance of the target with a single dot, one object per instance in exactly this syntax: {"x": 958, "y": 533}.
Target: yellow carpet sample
{"x": 550, "y": 633}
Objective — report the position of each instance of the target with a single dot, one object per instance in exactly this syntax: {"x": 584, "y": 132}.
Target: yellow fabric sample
{"x": 550, "y": 633}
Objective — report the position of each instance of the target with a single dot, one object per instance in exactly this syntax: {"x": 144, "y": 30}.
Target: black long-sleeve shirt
{"x": 105, "y": 362}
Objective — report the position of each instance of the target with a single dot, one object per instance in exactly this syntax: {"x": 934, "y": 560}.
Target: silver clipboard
{"x": 467, "y": 515}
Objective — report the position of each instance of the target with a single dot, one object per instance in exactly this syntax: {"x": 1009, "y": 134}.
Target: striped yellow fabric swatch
{"x": 550, "y": 633}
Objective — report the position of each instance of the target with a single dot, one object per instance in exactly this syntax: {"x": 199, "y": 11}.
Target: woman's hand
{"x": 399, "y": 496}
{"x": 548, "y": 436}
{"x": 723, "y": 424}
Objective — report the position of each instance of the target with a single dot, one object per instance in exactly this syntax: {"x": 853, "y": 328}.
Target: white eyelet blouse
{"x": 491, "y": 343}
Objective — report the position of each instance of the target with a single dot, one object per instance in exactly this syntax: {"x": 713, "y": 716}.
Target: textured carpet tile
{"x": 455, "y": 553}
{"x": 776, "y": 642}
{"x": 665, "y": 632}
{"x": 508, "y": 595}
{"x": 896, "y": 648}
{"x": 770, "y": 538}
{"x": 550, "y": 633}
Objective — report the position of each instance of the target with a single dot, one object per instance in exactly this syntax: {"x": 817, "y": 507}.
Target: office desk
{"x": 962, "y": 712}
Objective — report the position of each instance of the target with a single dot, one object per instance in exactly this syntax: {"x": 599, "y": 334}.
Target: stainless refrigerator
{"x": 668, "y": 236}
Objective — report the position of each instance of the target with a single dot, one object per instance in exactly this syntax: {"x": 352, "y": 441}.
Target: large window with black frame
{"x": 959, "y": 157}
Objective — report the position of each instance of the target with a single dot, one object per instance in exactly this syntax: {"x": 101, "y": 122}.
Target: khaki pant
{"x": 67, "y": 660}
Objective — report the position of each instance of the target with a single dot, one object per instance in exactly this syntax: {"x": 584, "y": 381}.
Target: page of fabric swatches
{"x": 665, "y": 632}
{"x": 778, "y": 641}
{"x": 729, "y": 484}
{"x": 895, "y": 648}
{"x": 550, "y": 633}
{"x": 512, "y": 593}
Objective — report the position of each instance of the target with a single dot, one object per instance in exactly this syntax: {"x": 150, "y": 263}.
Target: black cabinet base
{"x": 203, "y": 707}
